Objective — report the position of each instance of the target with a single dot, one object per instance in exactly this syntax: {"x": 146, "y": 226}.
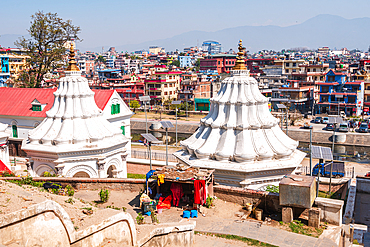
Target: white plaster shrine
{"x": 240, "y": 138}
{"x": 75, "y": 140}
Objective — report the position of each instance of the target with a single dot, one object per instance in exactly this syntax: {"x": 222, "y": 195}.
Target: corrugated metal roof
{"x": 17, "y": 101}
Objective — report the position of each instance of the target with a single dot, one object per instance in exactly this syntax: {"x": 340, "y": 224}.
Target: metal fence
{"x": 349, "y": 171}
{"x": 138, "y": 154}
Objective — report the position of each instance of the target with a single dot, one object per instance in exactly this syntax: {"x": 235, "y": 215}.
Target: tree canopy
{"x": 47, "y": 46}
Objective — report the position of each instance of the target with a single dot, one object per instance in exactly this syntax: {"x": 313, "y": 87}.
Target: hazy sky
{"x": 118, "y": 22}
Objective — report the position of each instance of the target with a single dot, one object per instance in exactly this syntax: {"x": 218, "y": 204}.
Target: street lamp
{"x": 186, "y": 96}
{"x": 145, "y": 99}
{"x": 281, "y": 106}
{"x": 166, "y": 125}
{"x": 129, "y": 97}
{"x": 150, "y": 139}
{"x": 176, "y": 102}
{"x": 334, "y": 121}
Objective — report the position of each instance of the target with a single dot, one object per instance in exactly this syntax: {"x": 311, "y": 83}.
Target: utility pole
{"x": 310, "y": 152}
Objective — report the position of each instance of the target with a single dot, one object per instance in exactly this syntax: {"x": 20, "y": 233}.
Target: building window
{"x": 123, "y": 130}
{"x": 36, "y": 108}
{"x": 15, "y": 131}
{"x": 115, "y": 109}
{"x": 294, "y": 64}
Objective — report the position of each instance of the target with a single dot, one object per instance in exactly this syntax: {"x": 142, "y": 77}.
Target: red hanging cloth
{"x": 199, "y": 191}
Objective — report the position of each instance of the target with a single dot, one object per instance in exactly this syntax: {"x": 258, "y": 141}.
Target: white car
{"x": 343, "y": 127}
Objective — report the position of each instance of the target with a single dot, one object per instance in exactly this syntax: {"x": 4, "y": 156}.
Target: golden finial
{"x": 240, "y": 63}
{"x": 72, "y": 65}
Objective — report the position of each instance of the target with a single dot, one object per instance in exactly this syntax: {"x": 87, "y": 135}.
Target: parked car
{"x": 367, "y": 174}
{"x": 329, "y": 126}
{"x": 307, "y": 126}
{"x": 363, "y": 128}
{"x": 343, "y": 127}
{"x": 318, "y": 119}
{"x": 325, "y": 120}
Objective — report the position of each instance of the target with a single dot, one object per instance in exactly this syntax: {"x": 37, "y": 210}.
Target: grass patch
{"x": 298, "y": 227}
{"x": 327, "y": 194}
{"x": 135, "y": 176}
{"x": 249, "y": 241}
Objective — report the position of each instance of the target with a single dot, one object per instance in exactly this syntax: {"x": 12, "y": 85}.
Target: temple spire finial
{"x": 240, "y": 63}
{"x": 72, "y": 65}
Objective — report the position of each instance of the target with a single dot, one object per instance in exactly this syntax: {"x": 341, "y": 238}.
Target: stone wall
{"x": 48, "y": 224}
{"x": 265, "y": 200}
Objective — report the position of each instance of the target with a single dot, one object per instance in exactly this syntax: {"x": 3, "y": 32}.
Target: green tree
{"x": 101, "y": 59}
{"x": 197, "y": 65}
{"x": 176, "y": 63}
{"x": 134, "y": 104}
{"x": 46, "y": 47}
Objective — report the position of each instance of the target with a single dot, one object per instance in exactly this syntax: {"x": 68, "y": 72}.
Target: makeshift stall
{"x": 187, "y": 187}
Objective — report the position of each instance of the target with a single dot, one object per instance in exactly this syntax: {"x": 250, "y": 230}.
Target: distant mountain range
{"x": 322, "y": 30}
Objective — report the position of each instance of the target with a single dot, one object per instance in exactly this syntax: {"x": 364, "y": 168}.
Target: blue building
{"x": 337, "y": 94}
{"x": 4, "y": 72}
{"x": 212, "y": 47}
{"x": 185, "y": 61}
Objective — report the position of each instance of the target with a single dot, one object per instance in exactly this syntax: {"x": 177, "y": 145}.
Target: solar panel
{"x": 335, "y": 120}
{"x": 150, "y": 138}
{"x": 176, "y": 102}
{"x": 167, "y": 124}
{"x": 316, "y": 152}
{"x": 319, "y": 152}
{"x": 280, "y": 106}
{"x": 326, "y": 153}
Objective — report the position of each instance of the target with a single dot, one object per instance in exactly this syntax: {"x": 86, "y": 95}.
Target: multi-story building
{"x": 163, "y": 84}
{"x": 17, "y": 63}
{"x": 4, "y": 70}
{"x": 290, "y": 66}
{"x": 338, "y": 94}
{"x": 299, "y": 98}
{"x": 222, "y": 63}
{"x": 212, "y": 47}
{"x": 185, "y": 61}
{"x": 156, "y": 49}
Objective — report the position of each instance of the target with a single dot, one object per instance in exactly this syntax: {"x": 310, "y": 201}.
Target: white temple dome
{"x": 75, "y": 137}
{"x": 239, "y": 128}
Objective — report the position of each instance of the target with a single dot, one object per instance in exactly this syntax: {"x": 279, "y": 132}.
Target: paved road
{"x": 263, "y": 233}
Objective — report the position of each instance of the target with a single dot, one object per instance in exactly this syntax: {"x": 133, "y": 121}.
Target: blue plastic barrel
{"x": 186, "y": 214}
{"x": 194, "y": 214}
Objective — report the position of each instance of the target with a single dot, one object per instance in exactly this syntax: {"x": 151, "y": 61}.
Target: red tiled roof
{"x": 17, "y": 101}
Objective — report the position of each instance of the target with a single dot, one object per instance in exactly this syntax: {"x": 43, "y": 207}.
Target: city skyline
{"x": 125, "y": 22}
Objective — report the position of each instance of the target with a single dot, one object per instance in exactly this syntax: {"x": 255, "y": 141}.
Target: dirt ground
{"x": 14, "y": 197}
{"x": 131, "y": 201}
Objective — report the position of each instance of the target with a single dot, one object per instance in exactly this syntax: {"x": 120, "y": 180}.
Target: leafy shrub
{"x": 70, "y": 200}
{"x": 209, "y": 202}
{"x": 153, "y": 215}
{"x": 272, "y": 188}
{"x": 104, "y": 195}
{"x": 7, "y": 174}
{"x": 139, "y": 219}
{"x": 48, "y": 174}
{"x": 70, "y": 190}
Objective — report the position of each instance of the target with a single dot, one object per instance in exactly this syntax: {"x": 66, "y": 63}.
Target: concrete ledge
{"x": 155, "y": 237}
{"x": 331, "y": 210}
{"x": 348, "y": 216}
{"x": 37, "y": 209}
{"x": 19, "y": 220}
